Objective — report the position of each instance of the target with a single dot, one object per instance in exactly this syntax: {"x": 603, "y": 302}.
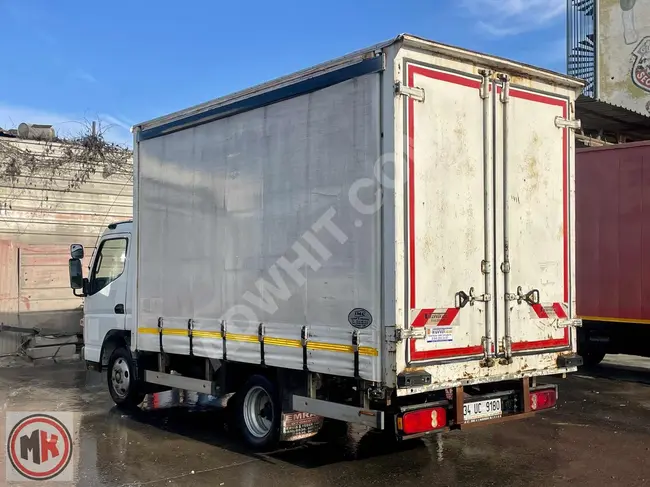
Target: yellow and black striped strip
{"x": 278, "y": 342}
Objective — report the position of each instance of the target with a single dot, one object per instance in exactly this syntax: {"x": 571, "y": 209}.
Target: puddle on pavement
{"x": 177, "y": 432}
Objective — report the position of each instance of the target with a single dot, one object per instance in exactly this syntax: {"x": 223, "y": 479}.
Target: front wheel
{"x": 122, "y": 383}
{"x": 257, "y": 413}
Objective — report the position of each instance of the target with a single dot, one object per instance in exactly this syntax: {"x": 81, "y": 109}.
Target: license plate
{"x": 482, "y": 410}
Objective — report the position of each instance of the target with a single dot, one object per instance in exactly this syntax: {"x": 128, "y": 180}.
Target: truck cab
{"x": 108, "y": 313}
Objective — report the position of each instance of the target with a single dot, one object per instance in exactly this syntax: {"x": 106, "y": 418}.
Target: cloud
{"x": 118, "y": 125}
{"x": 65, "y": 124}
{"x": 83, "y": 75}
{"x": 501, "y": 18}
{"x": 117, "y": 121}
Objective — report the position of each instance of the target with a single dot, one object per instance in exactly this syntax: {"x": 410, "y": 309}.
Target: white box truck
{"x": 384, "y": 239}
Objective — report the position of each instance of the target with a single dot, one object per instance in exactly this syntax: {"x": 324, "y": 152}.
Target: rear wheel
{"x": 592, "y": 356}
{"x": 121, "y": 377}
{"x": 592, "y": 352}
{"x": 257, "y": 413}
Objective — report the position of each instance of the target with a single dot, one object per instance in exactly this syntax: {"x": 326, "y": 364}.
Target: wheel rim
{"x": 121, "y": 377}
{"x": 258, "y": 412}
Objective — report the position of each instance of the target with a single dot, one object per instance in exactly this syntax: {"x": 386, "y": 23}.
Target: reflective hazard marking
{"x": 550, "y": 311}
{"x": 435, "y": 317}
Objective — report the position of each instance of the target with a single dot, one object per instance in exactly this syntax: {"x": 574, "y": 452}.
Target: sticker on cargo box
{"x": 435, "y": 334}
{"x": 360, "y": 318}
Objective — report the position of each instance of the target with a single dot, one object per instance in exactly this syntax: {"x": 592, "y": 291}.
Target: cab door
{"x": 105, "y": 303}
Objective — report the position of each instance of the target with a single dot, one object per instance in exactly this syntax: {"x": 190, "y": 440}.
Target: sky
{"x": 124, "y": 62}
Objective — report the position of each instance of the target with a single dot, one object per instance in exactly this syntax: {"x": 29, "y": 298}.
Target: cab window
{"x": 109, "y": 264}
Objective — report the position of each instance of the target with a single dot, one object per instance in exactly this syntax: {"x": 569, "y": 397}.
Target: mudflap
{"x": 299, "y": 426}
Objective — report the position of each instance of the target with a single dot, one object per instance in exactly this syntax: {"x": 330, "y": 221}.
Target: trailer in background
{"x": 613, "y": 250}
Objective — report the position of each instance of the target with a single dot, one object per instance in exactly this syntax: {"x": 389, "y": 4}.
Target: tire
{"x": 592, "y": 357}
{"x": 121, "y": 377}
{"x": 257, "y": 412}
{"x": 592, "y": 353}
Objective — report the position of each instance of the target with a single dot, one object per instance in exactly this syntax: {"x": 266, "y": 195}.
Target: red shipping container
{"x": 613, "y": 233}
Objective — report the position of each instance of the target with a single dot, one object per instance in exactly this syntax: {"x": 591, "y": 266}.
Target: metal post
{"x": 569, "y": 38}
{"x": 311, "y": 385}
{"x": 505, "y": 266}
{"x": 525, "y": 392}
{"x": 486, "y": 265}
{"x": 459, "y": 402}
{"x": 208, "y": 369}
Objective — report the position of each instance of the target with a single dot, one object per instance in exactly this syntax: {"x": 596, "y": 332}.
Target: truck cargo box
{"x": 613, "y": 233}
{"x": 403, "y": 215}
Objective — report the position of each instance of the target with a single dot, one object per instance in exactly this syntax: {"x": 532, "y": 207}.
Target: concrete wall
{"x": 39, "y": 219}
{"x": 623, "y": 64}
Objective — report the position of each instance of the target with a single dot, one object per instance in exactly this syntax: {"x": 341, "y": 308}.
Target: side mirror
{"x": 77, "y": 251}
{"x": 76, "y": 274}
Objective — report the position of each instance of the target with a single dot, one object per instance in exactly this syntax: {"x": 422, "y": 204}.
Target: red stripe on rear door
{"x": 539, "y": 310}
{"x": 550, "y": 343}
{"x": 420, "y": 355}
{"x": 559, "y": 310}
{"x": 564, "y": 341}
{"x": 442, "y": 76}
{"x": 422, "y": 317}
{"x": 558, "y": 102}
{"x": 449, "y": 317}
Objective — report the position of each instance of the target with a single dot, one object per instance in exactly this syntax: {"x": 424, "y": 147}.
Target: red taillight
{"x": 543, "y": 399}
{"x": 423, "y": 420}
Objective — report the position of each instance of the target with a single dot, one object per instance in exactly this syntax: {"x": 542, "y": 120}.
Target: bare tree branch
{"x": 73, "y": 160}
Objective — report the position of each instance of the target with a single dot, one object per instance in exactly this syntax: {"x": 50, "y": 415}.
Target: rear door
{"x": 449, "y": 196}
{"x": 533, "y": 279}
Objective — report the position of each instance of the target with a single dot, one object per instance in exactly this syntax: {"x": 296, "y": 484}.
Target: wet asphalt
{"x": 599, "y": 435}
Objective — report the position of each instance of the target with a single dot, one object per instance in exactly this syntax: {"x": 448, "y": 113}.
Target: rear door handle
{"x": 119, "y": 309}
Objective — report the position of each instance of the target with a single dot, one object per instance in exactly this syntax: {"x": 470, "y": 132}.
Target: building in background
{"x": 609, "y": 47}
{"x": 49, "y": 199}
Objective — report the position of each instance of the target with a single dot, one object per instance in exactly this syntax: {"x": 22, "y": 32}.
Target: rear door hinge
{"x": 505, "y": 88}
{"x": 416, "y": 333}
{"x": 486, "y": 83}
{"x": 566, "y": 123}
{"x": 416, "y": 93}
{"x": 573, "y": 322}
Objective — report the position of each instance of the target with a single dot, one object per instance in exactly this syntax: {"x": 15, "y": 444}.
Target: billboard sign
{"x": 623, "y": 52}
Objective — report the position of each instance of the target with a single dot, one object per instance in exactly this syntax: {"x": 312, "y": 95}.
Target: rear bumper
{"x": 519, "y": 403}
{"x": 414, "y": 389}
